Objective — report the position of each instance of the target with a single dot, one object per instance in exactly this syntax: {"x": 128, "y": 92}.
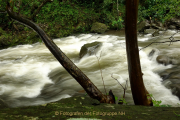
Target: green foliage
{"x": 176, "y": 114}
{"x": 76, "y": 16}
{"x": 156, "y": 103}
{"x": 3, "y": 16}
{"x": 161, "y": 10}
{"x": 123, "y": 100}
{"x": 116, "y": 98}
{"x": 119, "y": 22}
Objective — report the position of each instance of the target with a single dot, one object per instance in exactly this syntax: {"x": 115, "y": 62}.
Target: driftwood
{"x": 72, "y": 69}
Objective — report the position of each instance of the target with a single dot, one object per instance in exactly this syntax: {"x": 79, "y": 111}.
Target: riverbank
{"x": 63, "y": 18}
{"x": 86, "y": 107}
{"x": 57, "y": 19}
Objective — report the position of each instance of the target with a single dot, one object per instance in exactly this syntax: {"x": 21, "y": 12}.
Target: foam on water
{"x": 30, "y": 75}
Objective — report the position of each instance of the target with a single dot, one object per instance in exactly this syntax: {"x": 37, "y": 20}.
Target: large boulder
{"x": 171, "y": 73}
{"x": 175, "y": 88}
{"x": 171, "y": 79}
{"x": 176, "y": 22}
{"x": 149, "y": 31}
{"x": 156, "y": 33}
{"x": 98, "y": 27}
{"x": 143, "y": 25}
{"x": 158, "y": 25}
{"x": 174, "y": 85}
{"x": 163, "y": 59}
{"x": 89, "y": 48}
{"x": 153, "y": 52}
{"x": 152, "y": 27}
{"x": 172, "y": 27}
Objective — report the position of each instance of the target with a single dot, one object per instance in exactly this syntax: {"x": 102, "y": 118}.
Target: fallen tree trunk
{"x": 72, "y": 69}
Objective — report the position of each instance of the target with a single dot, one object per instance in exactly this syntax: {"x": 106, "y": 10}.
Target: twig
{"x": 159, "y": 42}
{"x": 171, "y": 40}
{"x": 101, "y": 70}
{"x": 121, "y": 85}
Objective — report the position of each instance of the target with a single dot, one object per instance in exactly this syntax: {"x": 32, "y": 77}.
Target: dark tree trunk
{"x": 73, "y": 70}
{"x": 138, "y": 89}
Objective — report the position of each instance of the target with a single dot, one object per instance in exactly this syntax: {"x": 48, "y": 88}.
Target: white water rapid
{"x": 30, "y": 75}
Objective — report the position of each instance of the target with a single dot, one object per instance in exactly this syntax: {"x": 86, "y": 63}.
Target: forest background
{"x": 61, "y": 18}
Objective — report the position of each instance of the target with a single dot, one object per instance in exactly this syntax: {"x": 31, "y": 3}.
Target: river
{"x": 30, "y": 74}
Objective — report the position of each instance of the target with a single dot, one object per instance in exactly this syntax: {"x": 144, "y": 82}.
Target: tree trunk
{"x": 73, "y": 70}
{"x": 138, "y": 89}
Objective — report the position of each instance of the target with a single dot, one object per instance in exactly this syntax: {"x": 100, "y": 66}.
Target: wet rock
{"x": 143, "y": 25}
{"x": 174, "y": 85}
{"x": 171, "y": 73}
{"x": 176, "y": 22}
{"x": 156, "y": 33}
{"x": 149, "y": 31}
{"x": 175, "y": 88}
{"x": 159, "y": 24}
{"x": 98, "y": 27}
{"x": 154, "y": 26}
{"x": 90, "y": 48}
{"x": 151, "y": 53}
{"x": 163, "y": 59}
{"x": 172, "y": 27}
{"x": 171, "y": 79}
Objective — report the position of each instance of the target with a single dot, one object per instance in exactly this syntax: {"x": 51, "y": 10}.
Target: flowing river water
{"x": 30, "y": 74}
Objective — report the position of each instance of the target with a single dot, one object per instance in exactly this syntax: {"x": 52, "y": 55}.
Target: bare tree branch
{"x": 125, "y": 88}
{"x": 101, "y": 71}
{"x": 170, "y": 42}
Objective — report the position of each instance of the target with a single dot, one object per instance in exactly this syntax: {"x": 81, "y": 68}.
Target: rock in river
{"x": 89, "y": 48}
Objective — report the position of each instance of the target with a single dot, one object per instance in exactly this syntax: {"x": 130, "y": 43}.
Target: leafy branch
{"x": 157, "y": 103}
